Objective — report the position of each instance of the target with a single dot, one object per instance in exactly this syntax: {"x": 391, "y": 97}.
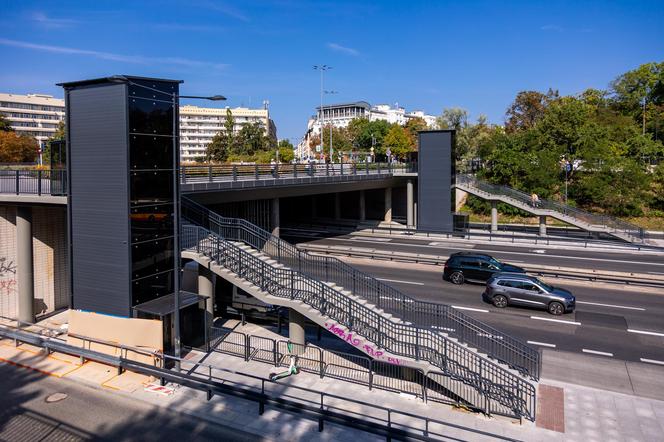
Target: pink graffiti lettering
{"x": 368, "y": 349}
{"x": 394, "y": 361}
{"x": 7, "y": 286}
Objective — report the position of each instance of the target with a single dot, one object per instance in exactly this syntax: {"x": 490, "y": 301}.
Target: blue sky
{"x": 423, "y": 55}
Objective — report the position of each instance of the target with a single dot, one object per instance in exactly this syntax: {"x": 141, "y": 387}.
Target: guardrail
{"x": 456, "y": 361}
{"x": 497, "y": 345}
{"x": 319, "y": 405}
{"x": 610, "y": 223}
{"x": 624, "y": 278}
{"x": 255, "y": 172}
{"x": 33, "y": 182}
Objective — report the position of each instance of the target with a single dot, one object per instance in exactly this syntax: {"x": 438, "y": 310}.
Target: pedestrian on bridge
{"x": 534, "y": 200}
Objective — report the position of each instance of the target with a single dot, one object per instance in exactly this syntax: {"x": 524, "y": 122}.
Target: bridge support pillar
{"x": 542, "y": 225}
{"x": 206, "y": 288}
{"x": 296, "y": 329}
{"x": 363, "y": 206}
{"x": 494, "y": 216}
{"x": 274, "y": 216}
{"x": 337, "y": 205}
{"x": 24, "y": 264}
{"x": 388, "y": 205}
{"x": 410, "y": 203}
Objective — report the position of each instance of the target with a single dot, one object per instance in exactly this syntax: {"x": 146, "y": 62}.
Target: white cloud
{"x": 346, "y": 50}
{"x": 50, "y": 22}
{"x": 135, "y": 59}
{"x": 554, "y": 28}
{"x": 186, "y": 27}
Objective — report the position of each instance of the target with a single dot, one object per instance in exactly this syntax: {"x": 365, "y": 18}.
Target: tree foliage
{"x": 16, "y": 148}
{"x": 4, "y": 124}
{"x": 250, "y": 143}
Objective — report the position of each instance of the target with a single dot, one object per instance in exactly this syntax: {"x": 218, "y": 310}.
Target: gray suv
{"x": 504, "y": 289}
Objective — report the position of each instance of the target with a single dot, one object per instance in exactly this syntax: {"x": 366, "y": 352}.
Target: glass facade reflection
{"x": 152, "y": 164}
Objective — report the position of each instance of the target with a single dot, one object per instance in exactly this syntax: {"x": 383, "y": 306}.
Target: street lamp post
{"x": 176, "y": 202}
{"x": 321, "y": 68}
{"x": 331, "y": 124}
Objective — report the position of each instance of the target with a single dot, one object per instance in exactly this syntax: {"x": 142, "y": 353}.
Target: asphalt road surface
{"x": 621, "y": 261}
{"x": 89, "y": 414}
{"x": 624, "y": 323}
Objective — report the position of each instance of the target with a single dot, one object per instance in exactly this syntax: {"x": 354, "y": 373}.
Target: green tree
{"x": 4, "y": 124}
{"x": 644, "y": 84}
{"x": 285, "y": 143}
{"x": 453, "y": 118}
{"x": 16, "y": 148}
{"x": 528, "y": 107}
{"x": 399, "y": 141}
{"x": 224, "y": 142}
{"x": 413, "y": 126}
{"x": 58, "y": 135}
{"x": 250, "y": 140}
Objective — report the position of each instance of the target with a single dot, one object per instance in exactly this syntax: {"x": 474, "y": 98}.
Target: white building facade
{"x": 340, "y": 115}
{"x": 198, "y": 125}
{"x": 36, "y": 115}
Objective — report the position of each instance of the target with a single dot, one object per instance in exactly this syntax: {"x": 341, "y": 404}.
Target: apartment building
{"x": 198, "y": 125}
{"x": 36, "y": 115}
{"x": 340, "y": 115}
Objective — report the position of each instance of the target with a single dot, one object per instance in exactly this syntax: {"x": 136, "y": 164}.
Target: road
{"x": 612, "y": 321}
{"x": 621, "y": 261}
{"x": 90, "y": 414}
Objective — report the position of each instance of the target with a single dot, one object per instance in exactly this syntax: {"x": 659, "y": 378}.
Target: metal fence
{"x": 440, "y": 317}
{"x": 400, "y": 339}
{"x": 609, "y": 223}
{"x": 33, "y": 182}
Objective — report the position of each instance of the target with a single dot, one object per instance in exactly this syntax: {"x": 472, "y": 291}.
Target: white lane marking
{"x": 643, "y": 332}
{"x": 402, "y": 282}
{"x": 595, "y": 352}
{"x": 656, "y": 273}
{"x": 652, "y": 361}
{"x": 611, "y": 305}
{"x": 543, "y": 344}
{"x": 372, "y": 239}
{"x": 471, "y": 309}
{"x": 461, "y": 246}
{"x": 555, "y": 320}
{"x": 540, "y": 251}
{"x": 391, "y": 298}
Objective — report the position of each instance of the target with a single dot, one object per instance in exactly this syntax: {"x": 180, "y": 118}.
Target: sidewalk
{"x": 566, "y": 412}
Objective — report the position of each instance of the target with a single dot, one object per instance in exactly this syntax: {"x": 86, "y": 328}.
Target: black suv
{"x": 462, "y": 266}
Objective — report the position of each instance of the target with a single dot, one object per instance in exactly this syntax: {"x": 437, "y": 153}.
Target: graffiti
{"x": 367, "y": 348}
{"x": 7, "y": 286}
{"x": 7, "y": 267}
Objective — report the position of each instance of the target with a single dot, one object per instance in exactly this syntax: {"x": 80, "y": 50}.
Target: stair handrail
{"x": 609, "y": 222}
{"x": 441, "y": 317}
{"x": 400, "y": 339}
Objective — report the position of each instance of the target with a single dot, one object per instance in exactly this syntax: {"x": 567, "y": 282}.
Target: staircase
{"x": 570, "y": 215}
{"x": 461, "y": 371}
{"x": 480, "y": 382}
{"x": 442, "y": 318}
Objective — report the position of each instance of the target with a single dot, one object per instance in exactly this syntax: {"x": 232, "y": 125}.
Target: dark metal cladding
{"x": 435, "y": 179}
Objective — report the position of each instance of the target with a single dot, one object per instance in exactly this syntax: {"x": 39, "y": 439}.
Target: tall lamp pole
{"x": 331, "y": 124}
{"x": 321, "y": 68}
{"x": 176, "y": 202}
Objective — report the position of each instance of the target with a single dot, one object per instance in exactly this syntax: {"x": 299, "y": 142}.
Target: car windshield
{"x": 545, "y": 286}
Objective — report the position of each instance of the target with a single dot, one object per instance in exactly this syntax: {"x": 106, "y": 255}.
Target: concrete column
{"x": 410, "y": 199}
{"x": 388, "y": 204}
{"x": 24, "y": 264}
{"x": 337, "y": 205}
{"x": 363, "y": 206}
{"x": 296, "y": 327}
{"x": 206, "y": 288}
{"x": 494, "y": 216}
{"x": 542, "y": 225}
{"x": 274, "y": 216}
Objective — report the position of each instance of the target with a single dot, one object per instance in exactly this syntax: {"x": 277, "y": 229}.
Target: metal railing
{"x": 441, "y": 317}
{"x": 609, "y": 223}
{"x": 33, "y": 182}
{"x": 54, "y": 182}
{"x": 454, "y": 360}
{"x": 213, "y": 380}
{"x": 254, "y": 172}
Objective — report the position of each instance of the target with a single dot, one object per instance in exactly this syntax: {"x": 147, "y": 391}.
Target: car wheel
{"x": 556, "y": 308}
{"x": 457, "y": 278}
{"x": 499, "y": 301}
